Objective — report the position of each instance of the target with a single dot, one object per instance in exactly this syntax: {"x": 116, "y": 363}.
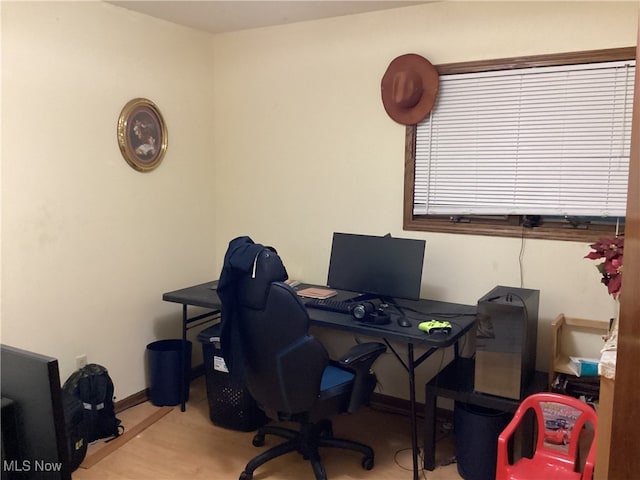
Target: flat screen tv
{"x": 33, "y": 436}
{"x": 383, "y": 267}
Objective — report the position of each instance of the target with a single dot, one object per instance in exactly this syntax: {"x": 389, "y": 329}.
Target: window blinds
{"x": 534, "y": 141}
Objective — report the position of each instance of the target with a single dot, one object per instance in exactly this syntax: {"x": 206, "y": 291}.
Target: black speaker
{"x": 367, "y": 312}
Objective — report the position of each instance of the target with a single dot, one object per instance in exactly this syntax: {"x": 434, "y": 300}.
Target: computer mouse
{"x": 404, "y": 322}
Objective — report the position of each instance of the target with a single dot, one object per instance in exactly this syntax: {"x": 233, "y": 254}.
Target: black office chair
{"x": 289, "y": 372}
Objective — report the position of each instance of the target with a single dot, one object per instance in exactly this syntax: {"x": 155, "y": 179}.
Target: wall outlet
{"x": 81, "y": 361}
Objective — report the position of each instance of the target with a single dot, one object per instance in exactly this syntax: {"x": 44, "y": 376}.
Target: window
{"x": 540, "y": 143}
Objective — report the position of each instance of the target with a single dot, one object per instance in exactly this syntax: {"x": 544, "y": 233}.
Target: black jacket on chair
{"x": 240, "y": 259}
{"x": 286, "y": 369}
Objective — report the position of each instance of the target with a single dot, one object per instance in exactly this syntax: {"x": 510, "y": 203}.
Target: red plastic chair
{"x": 559, "y": 420}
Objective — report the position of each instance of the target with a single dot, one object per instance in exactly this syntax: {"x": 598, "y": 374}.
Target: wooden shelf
{"x": 574, "y": 337}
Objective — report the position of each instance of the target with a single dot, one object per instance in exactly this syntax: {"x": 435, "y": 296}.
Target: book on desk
{"x": 317, "y": 293}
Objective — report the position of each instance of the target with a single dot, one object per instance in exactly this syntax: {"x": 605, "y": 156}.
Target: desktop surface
{"x": 461, "y": 317}
{"x": 201, "y": 295}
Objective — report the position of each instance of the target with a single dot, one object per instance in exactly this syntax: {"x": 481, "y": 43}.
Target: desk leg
{"x": 412, "y": 399}
{"x": 430, "y": 399}
{"x": 183, "y": 351}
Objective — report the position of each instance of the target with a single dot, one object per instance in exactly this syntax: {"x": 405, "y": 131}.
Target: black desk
{"x": 462, "y": 318}
{"x": 456, "y": 381}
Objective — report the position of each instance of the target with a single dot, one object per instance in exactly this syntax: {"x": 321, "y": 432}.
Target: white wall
{"x": 277, "y": 133}
{"x": 305, "y": 147}
{"x": 89, "y": 244}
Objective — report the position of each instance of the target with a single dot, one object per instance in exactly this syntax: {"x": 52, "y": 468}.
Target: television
{"x": 376, "y": 266}
{"x": 34, "y": 441}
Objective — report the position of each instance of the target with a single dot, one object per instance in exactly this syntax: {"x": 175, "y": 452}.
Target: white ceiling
{"x": 218, "y": 16}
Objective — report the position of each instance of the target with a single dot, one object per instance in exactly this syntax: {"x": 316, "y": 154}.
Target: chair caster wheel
{"x": 246, "y": 476}
{"x": 367, "y": 463}
{"x": 258, "y": 441}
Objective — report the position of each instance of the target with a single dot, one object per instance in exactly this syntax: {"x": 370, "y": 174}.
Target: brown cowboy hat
{"x": 409, "y": 88}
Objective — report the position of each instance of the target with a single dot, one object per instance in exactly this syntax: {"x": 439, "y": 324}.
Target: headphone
{"x": 367, "y": 312}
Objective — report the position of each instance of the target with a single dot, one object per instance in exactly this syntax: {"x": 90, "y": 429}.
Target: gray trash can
{"x": 476, "y": 431}
{"x": 164, "y": 371}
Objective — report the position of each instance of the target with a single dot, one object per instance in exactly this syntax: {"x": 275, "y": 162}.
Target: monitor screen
{"x": 380, "y": 266}
{"x": 37, "y": 442}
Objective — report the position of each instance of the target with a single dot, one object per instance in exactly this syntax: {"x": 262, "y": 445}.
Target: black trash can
{"x": 230, "y": 404}
{"x": 476, "y": 431}
{"x": 164, "y": 371}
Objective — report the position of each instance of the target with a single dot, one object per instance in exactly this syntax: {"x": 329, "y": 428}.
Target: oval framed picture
{"x": 142, "y": 134}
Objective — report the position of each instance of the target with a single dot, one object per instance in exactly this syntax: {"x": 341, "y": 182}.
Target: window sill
{"x": 493, "y": 230}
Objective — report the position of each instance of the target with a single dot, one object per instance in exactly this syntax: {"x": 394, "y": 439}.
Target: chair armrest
{"x": 359, "y": 360}
{"x": 510, "y": 429}
{"x": 502, "y": 457}
{"x": 360, "y": 357}
{"x": 502, "y": 454}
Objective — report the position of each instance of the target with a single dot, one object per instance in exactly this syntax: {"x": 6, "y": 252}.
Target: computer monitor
{"x": 383, "y": 267}
{"x": 35, "y": 447}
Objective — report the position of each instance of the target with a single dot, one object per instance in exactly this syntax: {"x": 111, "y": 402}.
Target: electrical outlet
{"x": 81, "y": 361}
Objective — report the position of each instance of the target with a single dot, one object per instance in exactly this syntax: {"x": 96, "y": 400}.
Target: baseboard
{"x": 131, "y": 400}
{"x": 143, "y": 395}
{"x": 197, "y": 371}
{"x": 401, "y": 406}
{"x": 390, "y": 404}
{"x": 379, "y": 401}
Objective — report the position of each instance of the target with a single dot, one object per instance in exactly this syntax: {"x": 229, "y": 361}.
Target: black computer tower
{"x": 506, "y": 338}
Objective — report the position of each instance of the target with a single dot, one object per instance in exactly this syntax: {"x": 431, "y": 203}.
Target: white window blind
{"x": 533, "y": 141}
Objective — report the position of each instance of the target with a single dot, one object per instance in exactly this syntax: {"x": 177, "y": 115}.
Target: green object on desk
{"x": 435, "y": 326}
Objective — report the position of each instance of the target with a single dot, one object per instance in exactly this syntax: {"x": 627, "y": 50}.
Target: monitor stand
{"x": 372, "y": 297}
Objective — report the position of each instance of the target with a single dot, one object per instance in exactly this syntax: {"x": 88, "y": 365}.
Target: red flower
{"x": 612, "y": 250}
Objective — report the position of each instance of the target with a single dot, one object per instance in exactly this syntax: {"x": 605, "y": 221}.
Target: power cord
{"x": 521, "y": 258}
{"x": 448, "y": 461}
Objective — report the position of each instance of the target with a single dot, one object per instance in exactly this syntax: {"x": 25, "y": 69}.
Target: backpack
{"x": 75, "y": 428}
{"x": 93, "y": 386}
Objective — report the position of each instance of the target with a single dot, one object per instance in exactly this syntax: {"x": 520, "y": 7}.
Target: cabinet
{"x": 605, "y": 419}
{"x": 574, "y": 337}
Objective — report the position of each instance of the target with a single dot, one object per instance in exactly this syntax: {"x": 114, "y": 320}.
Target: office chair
{"x": 559, "y": 420}
{"x": 288, "y": 371}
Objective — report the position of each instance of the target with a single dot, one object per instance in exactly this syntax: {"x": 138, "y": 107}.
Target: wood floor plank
{"x": 187, "y": 445}
{"x": 94, "y": 456}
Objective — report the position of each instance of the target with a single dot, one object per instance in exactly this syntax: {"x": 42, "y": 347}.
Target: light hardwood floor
{"x": 186, "y": 445}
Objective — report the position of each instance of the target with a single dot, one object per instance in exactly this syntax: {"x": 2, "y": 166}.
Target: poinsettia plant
{"x": 611, "y": 250}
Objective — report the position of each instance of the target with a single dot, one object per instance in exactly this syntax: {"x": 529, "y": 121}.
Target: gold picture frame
{"x": 142, "y": 134}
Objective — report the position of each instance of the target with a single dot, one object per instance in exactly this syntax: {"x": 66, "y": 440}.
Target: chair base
{"x": 306, "y": 442}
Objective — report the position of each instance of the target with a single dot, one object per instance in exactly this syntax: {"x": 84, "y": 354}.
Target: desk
{"x": 462, "y": 318}
{"x": 456, "y": 382}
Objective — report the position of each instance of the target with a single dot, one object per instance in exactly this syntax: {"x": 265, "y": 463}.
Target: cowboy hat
{"x": 409, "y": 88}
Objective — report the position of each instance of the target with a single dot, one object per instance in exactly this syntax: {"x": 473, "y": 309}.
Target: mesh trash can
{"x": 476, "y": 431}
{"x": 164, "y": 371}
{"x": 230, "y": 404}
